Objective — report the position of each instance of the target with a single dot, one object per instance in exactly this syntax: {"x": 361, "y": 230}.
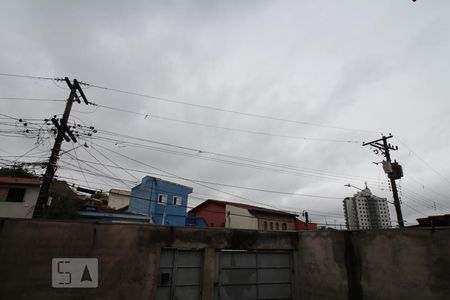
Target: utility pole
{"x": 63, "y": 133}
{"x": 392, "y": 169}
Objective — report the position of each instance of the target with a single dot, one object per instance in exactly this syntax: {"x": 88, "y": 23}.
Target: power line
{"x": 106, "y": 168}
{"x": 226, "y": 110}
{"x": 153, "y": 116}
{"x": 184, "y": 178}
{"x": 180, "y": 102}
{"x": 92, "y": 172}
{"x": 285, "y": 168}
{"x": 289, "y": 211}
{"x": 170, "y": 119}
{"x": 277, "y": 169}
{"x": 424, "y": 162}
{"x": 407, "y": 205}
{"x": 216, "y": 183}
{"x": 428, "y": 188}
{"x": 117, "y": 165}
{"x": 28, "y": 76}
{"x": 31, "y": 99}
{"x": 223, "y": 184}
{"x": 78, "y": 162}
{"x": 293, "y": 211}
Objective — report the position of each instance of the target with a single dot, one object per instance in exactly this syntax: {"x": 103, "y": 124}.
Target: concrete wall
{"x": 395, "y": 264}
{"x": 24, "y": 209}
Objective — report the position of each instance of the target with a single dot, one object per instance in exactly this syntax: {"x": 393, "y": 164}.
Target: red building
{"x": 226, "y": 214}
{"x": 212, "y": 212}
{"x": 301, "y": 226}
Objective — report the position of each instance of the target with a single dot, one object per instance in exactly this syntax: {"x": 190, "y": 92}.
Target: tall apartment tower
{"x": 366, "y": 211}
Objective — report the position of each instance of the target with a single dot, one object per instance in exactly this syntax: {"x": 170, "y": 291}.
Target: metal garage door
{"x": 254, "y": 275}
{"x": 180, "y": 275}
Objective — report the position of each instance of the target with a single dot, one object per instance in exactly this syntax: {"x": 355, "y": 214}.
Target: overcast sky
{"x": 328, "y": 74}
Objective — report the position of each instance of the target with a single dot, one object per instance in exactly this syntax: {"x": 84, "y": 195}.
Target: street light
{"x": 351, "y": 185}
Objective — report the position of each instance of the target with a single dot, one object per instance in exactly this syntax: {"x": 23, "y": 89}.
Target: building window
{"x": 271, "y": 225}
{"x": 3, "y": 194}
{"x": 12, "y": 195}
{"x": 277, "y": 226}
{"x": 162, "y": 199}
{"x": 265, "y": 225}
{"x": 284, "y": 226}
{"x": 176, "y": 200}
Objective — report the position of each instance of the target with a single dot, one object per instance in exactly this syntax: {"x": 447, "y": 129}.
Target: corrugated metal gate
{"x": 254, "y": 275}
{"x": 180, "y": 274}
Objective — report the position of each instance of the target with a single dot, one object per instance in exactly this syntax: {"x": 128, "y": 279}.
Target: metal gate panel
{"x": 274, "y": 276}
{"x": 278, "y": 291}
{"x": 253, "y": 275}
{"x": 180, "y": 275}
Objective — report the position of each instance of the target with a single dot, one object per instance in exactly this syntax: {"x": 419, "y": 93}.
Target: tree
{"x": 17, "y": 171}
{"x": 64, "y": 205}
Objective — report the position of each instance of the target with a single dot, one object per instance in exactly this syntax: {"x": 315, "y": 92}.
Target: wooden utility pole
{"x": 393, "y": 170}
{"x": 63, "y": 132}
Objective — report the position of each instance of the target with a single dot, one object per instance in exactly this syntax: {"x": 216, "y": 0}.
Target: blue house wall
{"x": 144, "y": 200}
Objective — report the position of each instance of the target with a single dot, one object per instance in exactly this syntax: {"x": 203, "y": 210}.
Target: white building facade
{"x": 239, "y": 218}
{"x": 366, "y": 211}
{"x": 118, "y": 198}
{"x": 18, "y": 197}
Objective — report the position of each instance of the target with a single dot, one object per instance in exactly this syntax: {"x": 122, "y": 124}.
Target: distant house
{"x": 434, "y": 221}
{"x": 301, "y": 225}
{"x": 118, "y": 199}
{"x": 226, "y": 214}
{"x": 163, "y": 201}
{"x": 18, "y": 196}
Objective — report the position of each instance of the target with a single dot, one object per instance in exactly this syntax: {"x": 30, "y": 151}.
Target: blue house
{"x": 163, "y": 201}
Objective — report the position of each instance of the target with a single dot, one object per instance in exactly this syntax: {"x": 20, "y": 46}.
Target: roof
{"x": 436, "y": 217}
{"x": 166, "y": 181}
{"x": 120, "y": 192}
{"x": 19, "y": 180}
{"x": 114, "y": 217}
{"x": 251, "y": 208}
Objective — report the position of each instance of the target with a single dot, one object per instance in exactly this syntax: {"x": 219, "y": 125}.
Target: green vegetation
{"x": 17, "y": 171}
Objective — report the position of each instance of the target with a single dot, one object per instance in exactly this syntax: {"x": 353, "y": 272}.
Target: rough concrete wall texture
{"x": 321, "y": 266}
{"x": 393, "y": 264}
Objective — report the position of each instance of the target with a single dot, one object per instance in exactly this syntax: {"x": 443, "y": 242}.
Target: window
{"x": 265, "y": 225}
{"x": 176, "y": 200}
{"x": 271, "y": 225}
{"x": 277, "y": 226}
{"x": 3, "y": 194}
{"x": 12, "y": 194}
{"x": 162, "y": 199}
{"x": 284, "y": 226}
